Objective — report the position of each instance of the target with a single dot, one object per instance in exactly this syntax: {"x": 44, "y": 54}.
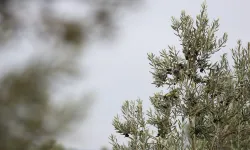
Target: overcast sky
{"x": 119, "y": 71}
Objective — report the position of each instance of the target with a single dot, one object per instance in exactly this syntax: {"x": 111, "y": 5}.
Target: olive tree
{"x": 206, "y": 104}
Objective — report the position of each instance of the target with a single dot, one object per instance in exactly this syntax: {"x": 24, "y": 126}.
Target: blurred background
{"x": 68, "y": 65}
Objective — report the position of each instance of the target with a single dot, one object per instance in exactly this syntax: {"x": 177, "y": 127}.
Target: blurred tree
{"x": 207, "y": 103}
{"x": 50, "y": 145}
{"x": 104, "y": 148}
{"x": 29, "y": 120}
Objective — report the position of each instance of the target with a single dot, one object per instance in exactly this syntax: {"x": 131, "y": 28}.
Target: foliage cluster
{"x": 207, "y": 103}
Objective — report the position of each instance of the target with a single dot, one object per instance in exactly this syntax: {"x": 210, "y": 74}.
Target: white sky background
{"x": 119, "y": 70}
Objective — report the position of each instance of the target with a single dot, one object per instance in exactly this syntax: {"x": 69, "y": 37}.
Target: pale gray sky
{"x": 120, "y": 71}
